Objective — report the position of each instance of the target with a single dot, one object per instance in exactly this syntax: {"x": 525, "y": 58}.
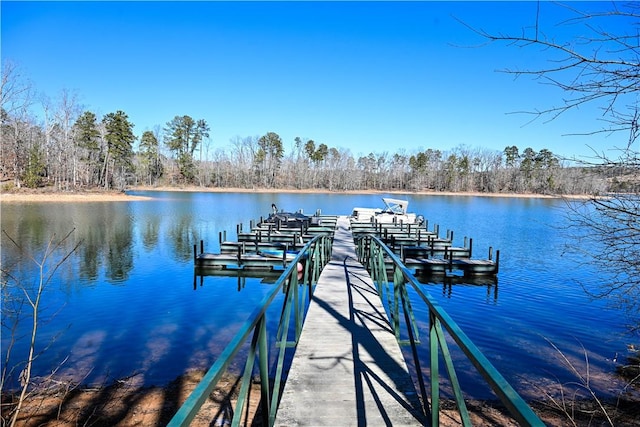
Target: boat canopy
{"x": 397, "y": 206}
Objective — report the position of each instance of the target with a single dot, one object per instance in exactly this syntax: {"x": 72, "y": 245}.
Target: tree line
{"x": 72, "y": 149}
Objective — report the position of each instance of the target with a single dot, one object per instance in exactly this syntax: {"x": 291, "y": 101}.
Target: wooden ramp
{"x": 348, "y": 369}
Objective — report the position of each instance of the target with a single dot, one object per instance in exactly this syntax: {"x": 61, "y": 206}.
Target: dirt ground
{"x": 22, "y": 196}
{"x": 122, "y": 404}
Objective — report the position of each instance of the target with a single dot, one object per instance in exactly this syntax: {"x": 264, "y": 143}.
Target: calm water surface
{"x": 126, "y": 303}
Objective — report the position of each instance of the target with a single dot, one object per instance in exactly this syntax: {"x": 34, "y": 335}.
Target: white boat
{"x": 394, "y": 211}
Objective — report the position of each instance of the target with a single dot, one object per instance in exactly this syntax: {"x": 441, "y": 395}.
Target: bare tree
{"x": 16, "y": 97}
{"x": 601, "y": 67}
{"x": 16, "y": 91}
{"x": 31, "y": 297}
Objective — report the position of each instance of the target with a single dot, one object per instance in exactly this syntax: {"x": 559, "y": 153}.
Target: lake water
{"x": 125, "y": 302}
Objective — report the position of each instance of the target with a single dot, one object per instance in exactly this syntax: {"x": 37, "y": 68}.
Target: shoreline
{"x": 115, "y": 196}
{"x": 125, "y": 403}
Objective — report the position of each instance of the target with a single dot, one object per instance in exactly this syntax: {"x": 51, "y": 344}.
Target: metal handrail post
{"x": 518, "y": 408}
{"x": 256, "y": 323}
{"x": 433, "y": 371}
{"x": 263, "y": 354}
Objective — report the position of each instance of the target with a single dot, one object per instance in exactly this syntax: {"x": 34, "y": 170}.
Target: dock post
{"x": 470, "y": 247}
{"x": 284, "y": 254}
{"x": 490, "y": 253}
{"x": 497, "y": 261}
{"x": 220, "y": 237}
{"x": 201, "y": 246}
{"x": 450, "y": 261}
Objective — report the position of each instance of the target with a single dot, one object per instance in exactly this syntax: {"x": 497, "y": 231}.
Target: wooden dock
{"x": 425, "y": 253}
{"x": 258, "y": 248}
{"x": 422, "y": 251}
{"x": 348, "y": 369}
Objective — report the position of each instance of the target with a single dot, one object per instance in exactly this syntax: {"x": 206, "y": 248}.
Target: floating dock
{"x": 269, "y": 247}
{"x": 265, "y": 247}
{"x": 426, "y": 253}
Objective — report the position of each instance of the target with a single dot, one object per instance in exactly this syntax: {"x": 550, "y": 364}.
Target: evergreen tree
{"x": 149, "y": 148}
{"x": 87, "y": 138}
{"x": 269, "y": 156}
{"x": 34, "y": 169}
{"x": 182, "y": 137}
{"x": 119, "y": 136}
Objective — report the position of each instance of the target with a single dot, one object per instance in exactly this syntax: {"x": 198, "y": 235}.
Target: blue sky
{"x": 368, "y": 77}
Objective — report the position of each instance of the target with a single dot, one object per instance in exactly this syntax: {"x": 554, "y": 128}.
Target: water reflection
{"x": 151, "y": 232}
{"x": 453, "y": 283}
{"x": 241, "y": 276}
{"x": 104, "y": 230}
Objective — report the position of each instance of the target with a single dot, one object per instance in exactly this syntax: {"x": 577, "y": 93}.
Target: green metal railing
{"x": 375, "y": 256}
{"x": 298, "y": 292}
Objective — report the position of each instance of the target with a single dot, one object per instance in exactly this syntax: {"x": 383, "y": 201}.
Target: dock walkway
{"x": 348, "y": 369}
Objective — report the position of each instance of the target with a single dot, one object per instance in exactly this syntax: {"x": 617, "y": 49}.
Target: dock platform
{"x": 348, "y": 369}
{"x": 263, "y": 248}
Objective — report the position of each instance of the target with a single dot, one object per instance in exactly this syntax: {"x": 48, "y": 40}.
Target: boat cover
{"x": 395, "y": 205}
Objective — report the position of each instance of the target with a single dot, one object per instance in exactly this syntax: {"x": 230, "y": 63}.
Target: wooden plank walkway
{"x": 348, "y": 369}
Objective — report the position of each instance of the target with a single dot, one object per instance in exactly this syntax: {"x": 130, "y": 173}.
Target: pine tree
{"x": 149, "y": 149}
{"x": 119, "y": 136}
{"x": 182, "y": 136}
{"x": 87, "y": 138}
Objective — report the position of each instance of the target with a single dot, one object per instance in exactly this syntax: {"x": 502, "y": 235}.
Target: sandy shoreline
{"x": 105, "y": 196}
{"x": 68, "y": 197}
